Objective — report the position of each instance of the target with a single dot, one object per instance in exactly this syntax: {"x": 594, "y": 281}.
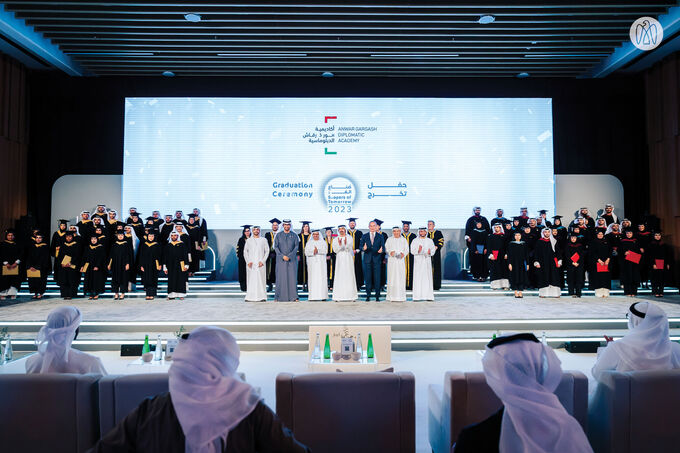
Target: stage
{"x": 464, "y": 316}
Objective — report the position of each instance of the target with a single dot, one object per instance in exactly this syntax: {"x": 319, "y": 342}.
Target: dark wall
{"x": 77, "y": 123}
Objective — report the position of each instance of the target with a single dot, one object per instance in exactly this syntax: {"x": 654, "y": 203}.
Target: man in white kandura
{"x": 422, "y": 249}
{"x": 255, "y": 253}
{"x": 397, "y": 251}
{"x": 344, "y": 284}
{"x": 316, "y": 250}
{"x": 646, "y": 346}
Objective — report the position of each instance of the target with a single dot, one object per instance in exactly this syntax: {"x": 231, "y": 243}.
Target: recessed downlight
{"x": 168, "y": 74}
{"x": 486, "y": 19}
{"x": 327, "y": 74}
{"x": 522, "y": 75}
{"x": 192, "y": 17}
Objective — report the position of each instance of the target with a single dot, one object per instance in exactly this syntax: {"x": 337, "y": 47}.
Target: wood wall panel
{"x": 13, "y": 141}
{"x": 662, "y": 85}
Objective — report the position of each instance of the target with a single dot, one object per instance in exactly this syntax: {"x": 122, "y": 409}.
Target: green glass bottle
{"x": 327, "y": 348}
{"x": 369, "y": 349}
{"x": 146, "y": 347}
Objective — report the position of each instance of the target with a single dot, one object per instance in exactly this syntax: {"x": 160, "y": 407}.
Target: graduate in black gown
{"x": 135, "y": 221}
{"x": 471, "y": 222}
{"x": 660, "y": 257}
{"x": 496, "y": 259}
{"x": 330, "y": 257}
{"x": 100, "y": 212}
{"x": 203, "y": 225}
{"x": 575, "y": 259}
{"x": 120, "y": 263}
{"x": 56, "y": 243}
{"x": 614, "y": 236}
{"x": 11, "y": 256}
{"x": 530, "y": 238}
{"x": 643, "y": 237}
{"x": 271, "y": 260}
{"x": 68, "y": 261}
{"x": 356, "y": 237}
{"x": 518, "y": 264}
{"x": 630, "y": 270}
{"x": 133, "y": 239}
{"x": 477, "y": 251}
{"x": 438, "y": 239}
{"x": 93, "y": 266}
{"x": 179, "y": 218}
{"x": 408, "y": 261}
{"x": 150, "y": 259}
{"x": 195, "y": 244}
{"x": 112, "y": 227}
{"x": 600, "y": 257}
{"x": 208, "y": 407}
{"x": 176, "y": 266}
{"x": 304, "y": 236}
{"x": 84, "y": 225}
{"x": 547, "y": 261}
{"x": 38, "y": 259}
{"x": 166, "y": 227}
{"x": 102, "y": 238}
{"x": 240, "y": 245}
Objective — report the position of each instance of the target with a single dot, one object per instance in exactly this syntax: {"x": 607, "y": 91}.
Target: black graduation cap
{"x": 70, "y": 233}
{"x": 305, "y": 222}
{"x": 153, "y": 231}
{"x": 378, "y": 221}
{"x": 517, "y": 218}
{"x": 557, "y": 217}
{"x": 63, "y": 222}
{"x": 150, "y": 219}
{"x": 406, "y": 222}
{"x": 192, "y": 216}
{"x": 246, "y": 226}
{"x": 178, "y": 222}
{"x": 274, "y": 220}
{"x": 543, "y": 211}
{"x": 38, "y": 233}
{"x": 328, "y": 228}
{"x": 136, "y": 214}
{"x": 352, "y": 219}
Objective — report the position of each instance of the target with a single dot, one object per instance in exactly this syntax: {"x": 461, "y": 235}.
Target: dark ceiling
{"x": 541, "y": 38}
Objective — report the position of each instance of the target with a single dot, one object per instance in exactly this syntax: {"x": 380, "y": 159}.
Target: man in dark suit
{"x": 372, "y": 244}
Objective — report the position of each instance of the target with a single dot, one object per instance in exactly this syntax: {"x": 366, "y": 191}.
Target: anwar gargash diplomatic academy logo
{"x": 646, "y": 33}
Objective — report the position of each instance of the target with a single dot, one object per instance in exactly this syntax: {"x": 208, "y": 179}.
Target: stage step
{"x": 293, "y": 335}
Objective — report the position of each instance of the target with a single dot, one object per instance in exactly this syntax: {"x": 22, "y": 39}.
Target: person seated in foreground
{"x": 55, "y": 354}
{"x": 208, "y": 409}
{"x": 646, "y": 346}
{"x": 524, "y": 374}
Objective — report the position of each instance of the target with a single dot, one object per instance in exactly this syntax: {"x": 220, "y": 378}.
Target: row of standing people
{"x": 548, "y": 253}
{"x": 79, "y": 250}
{"x": 346, "y": 252}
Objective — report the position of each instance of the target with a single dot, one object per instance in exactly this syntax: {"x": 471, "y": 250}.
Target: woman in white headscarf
{"x": 524, "y": 374}
{"x": 209, "y": 408}
{"x": 646, "y": 346}
{"x": 548, "y": 263}
{"x": 55, "y": 354}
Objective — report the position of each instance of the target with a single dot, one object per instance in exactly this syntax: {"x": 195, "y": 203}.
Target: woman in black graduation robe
{"x": 477, "y": 252}
{"x": 599, "y": 252}
{"x": 660, "y": 258}
{"x": 93, "y": 265}
{"x": 304, "y": 236}
{"x": 120, "y": 260}
{"x": 613, "y": 236}
{"x": 56, "y": 243}
{"x": 518, "y": 264}
{"x": 195, "y": 241}
{"x": 547, "y": 260}
{"x": 38, "y": 259}
{"x": 630, "y": 271}
{"x": 176, "y": 266}
{"x": 574, "y": 260}
{"x": 240, "y": 245}
{"x": 495, "y": 249}
{"x": 150, "y": 259}
{"x": 11, "y": 255}
{"x": 70, "y": 255}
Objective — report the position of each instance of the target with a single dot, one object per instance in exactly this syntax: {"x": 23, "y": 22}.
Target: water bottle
{"x": 158, "y": 353}
{"x": 369, "y": 349}
{"x": 9, "y": 354}
{"x": 327, "y": 348}
{"x": 544, "y": 340}
{"x": 317, "y": 348}
{"x": 360, "y": 347}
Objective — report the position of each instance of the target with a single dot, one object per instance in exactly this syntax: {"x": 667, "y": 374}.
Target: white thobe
{"x": 256, "y": 251}
{"x": 344, "y": 284}
{"x": 423, "y": 288}
{"x": 78, "y": 363}
{"x": 316, "y": 269}
{"x": 396, "y": 270}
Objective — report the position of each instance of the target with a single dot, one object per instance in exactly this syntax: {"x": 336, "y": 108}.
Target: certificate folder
{"x": 7, "y": 271}
{"x": 602, "y": 267}
{"x": 480, "y": 248}
{"x": 33, "y": 274}
{"x": 633, "y": 257}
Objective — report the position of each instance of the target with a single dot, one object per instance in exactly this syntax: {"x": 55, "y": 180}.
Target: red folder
{"x": 659, "y": 264}
{"x": 556, "y": 262}
{"x": 633, "y": 257}
{"x": 575, "y": 257}
{"x": 495, "y": 254}
{"x": 602, "y": 267}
